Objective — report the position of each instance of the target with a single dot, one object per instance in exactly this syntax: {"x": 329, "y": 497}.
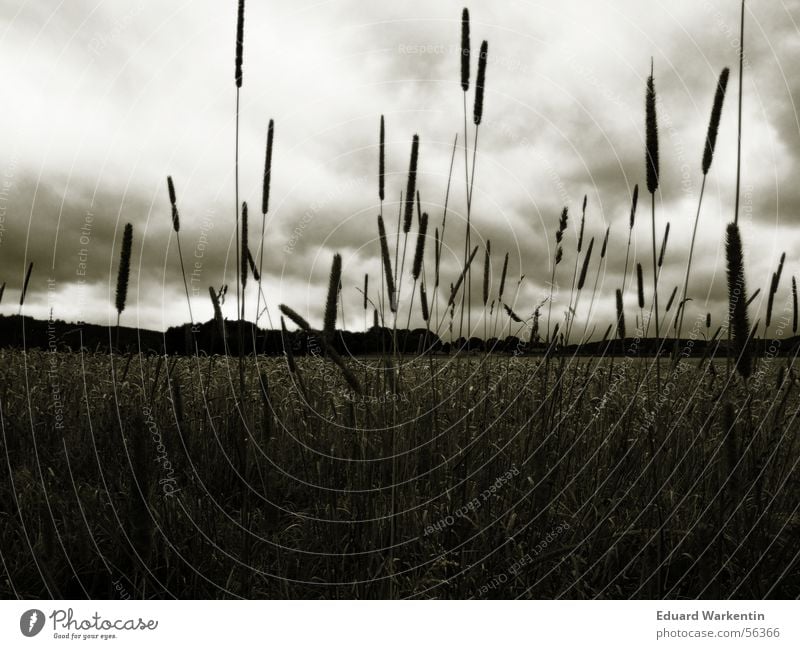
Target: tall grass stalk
{"x": 578, "y": 248}
{"x": 652, "y": 166}
{"x": 123, "y": 275}
{"x": 264, "y": 209}
{"x": 408, "y": 216}
{"x": 477, "y": 115}
{"x": 417, "y": 265}
{"x": 634, "y": 203}
{"x": 245, "y": 248}
{"x": 487, "y": 261}
{"x": 738, "y": 159}
{"x": 464, "y": 54}
{"x": 440, "y": 235}
{"x": 381, "y": 194}
{"x": 176, "y": 226}
{"x": 239, "y": 290}
{"x": 559, "y": 252}
{"x": 708, "y": 157}
{"x": 501, "y": 290}
{"x": 737, "y": 293}
{"x": 600, "y": 262}
{"x": 579, "y": 287}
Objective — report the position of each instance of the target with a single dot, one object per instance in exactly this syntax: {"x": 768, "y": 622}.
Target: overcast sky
{"x": 102, "y": 100}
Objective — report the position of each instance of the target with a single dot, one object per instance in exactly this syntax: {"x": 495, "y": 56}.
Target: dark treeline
{"x": 29, "y": 333}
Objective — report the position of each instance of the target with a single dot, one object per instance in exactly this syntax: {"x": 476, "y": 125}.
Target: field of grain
{"x": 562, "y": 478}
{"x": 464, "y": 444}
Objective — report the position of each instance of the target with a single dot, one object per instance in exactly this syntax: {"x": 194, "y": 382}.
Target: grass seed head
{"x": 465, "y": 49}
{"x": 713, "y": 124}
{"x": 651, "y": 128}
{"x": 123, "y": 274}
{"x": 480, "y": 81}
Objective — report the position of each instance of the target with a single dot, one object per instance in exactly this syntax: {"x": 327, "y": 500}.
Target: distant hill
{"x": 23, "y": 332}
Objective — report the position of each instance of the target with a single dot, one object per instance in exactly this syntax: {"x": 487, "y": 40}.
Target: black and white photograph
{"x": 400, "y": 301}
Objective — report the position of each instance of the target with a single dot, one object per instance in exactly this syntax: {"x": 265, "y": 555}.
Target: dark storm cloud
{"x": 107, "y": 97}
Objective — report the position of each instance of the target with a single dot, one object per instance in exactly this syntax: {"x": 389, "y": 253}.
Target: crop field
{"x": 485, "y": 476}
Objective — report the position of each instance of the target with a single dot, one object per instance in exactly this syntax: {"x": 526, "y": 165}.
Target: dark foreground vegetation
{"x": 479, "y": 477}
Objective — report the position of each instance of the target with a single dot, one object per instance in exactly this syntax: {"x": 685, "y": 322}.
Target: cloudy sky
{"x": 103, "y": 99}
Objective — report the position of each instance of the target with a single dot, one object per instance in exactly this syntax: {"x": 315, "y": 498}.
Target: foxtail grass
{"x": 123, "y": 273}
{"x": 28, "y": 279}
{"x": 243, "y": 256}
{"x": 382, "y": 161}
{"x": 579, "y": 287}
{"x": 600, "y": 262}
{"x": 559, "y": 252}
{"x": 708, "y": 157}
{"x": 334, "y": 283}
{"x": 737, "y": 292}
{"x": 265, "y": 188}
{"x": 176, "y": 226}
{"x": 501, "y": 290}
{"x": 640, "y": 285}
{"x": 653, "y": 173}
{"x": 386, "y": 262}
{"x": 571, "y": 309}
{"x": 634, "y": 203}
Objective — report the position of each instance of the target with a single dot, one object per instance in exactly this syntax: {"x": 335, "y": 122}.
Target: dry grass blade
{"x": 252, "y": 264}
{"x": 295, "y": 317}
{"x": 460, "y": 280}
{"x": 511, "y": 314}
{"x": 671, "y": 298}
